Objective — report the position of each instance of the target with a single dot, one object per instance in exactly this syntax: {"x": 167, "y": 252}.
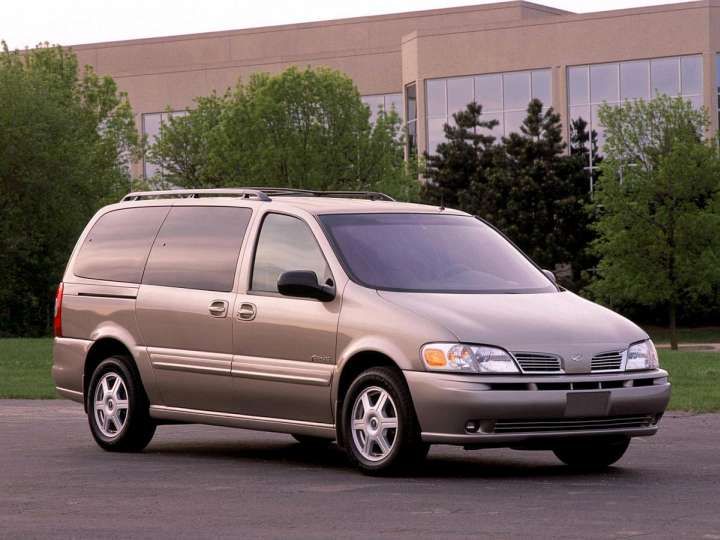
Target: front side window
{"x": 286, "y": 244}
{"x": 198, "y": 248}
{"x": 118, "y": 244}
{"x": 431, "y": 253}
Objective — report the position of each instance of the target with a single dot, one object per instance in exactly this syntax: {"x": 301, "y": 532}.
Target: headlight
{"x": 642, "y": 355}
{"x": 458, "y": 357}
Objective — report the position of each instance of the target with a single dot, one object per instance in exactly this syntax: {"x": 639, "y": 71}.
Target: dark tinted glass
{"x": 431, "y": 253}
{"x": 198, "y": 248}
{"x": 118, "y": 244}
{"x": 286, "y": 244}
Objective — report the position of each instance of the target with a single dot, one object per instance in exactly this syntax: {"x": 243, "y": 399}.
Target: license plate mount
{"x": 587, "y": 404}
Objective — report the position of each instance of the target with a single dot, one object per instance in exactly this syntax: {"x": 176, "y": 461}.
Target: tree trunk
{"x": 673, "y": 326}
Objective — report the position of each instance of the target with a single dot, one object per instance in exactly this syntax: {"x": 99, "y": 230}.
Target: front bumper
{"x": 524, "y": 410}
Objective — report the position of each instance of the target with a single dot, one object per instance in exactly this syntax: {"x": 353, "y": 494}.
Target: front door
{"x": 184, "y": 305}
{"x": 284, "y": 347}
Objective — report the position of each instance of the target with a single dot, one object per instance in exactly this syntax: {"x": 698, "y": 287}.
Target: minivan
{"x": 341, "y": 316}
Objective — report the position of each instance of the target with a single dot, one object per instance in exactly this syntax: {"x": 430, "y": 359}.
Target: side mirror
{"x": 304, "y": 284}
{"x": 550, "y": 275}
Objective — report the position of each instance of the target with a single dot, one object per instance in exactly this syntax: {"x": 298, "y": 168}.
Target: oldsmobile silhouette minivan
{"x": 343, "y": 316}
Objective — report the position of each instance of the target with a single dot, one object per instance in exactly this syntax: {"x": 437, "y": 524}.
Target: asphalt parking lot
{"x": 202, "y": 482}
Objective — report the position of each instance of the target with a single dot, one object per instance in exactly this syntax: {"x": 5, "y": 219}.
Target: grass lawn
{"x": 701, "y": 334}
{"x": 25, "y": 373}
{"x": 25, "y": 368}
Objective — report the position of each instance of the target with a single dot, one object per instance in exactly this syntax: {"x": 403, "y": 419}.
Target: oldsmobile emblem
{"x": 577, "y": 357}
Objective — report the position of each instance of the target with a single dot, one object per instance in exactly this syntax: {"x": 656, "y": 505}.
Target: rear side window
{"x": 117, "y": 246}
{"x": 198, "y": 248}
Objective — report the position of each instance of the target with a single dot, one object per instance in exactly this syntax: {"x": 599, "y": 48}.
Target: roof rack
{"x": 294, "y": 192}
{"x": 195, "y": 193}
{"x": 259, "y": 193}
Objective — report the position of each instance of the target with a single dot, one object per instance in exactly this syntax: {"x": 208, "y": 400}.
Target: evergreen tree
{"x": 464, "y": 157}
{"x": 534, "y": 192}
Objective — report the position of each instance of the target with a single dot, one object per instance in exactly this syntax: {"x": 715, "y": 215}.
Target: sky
{"x": 25, "y": 23}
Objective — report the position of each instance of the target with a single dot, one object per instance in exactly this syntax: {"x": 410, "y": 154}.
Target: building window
{"x": 592, "y": 85}
{"x": 504, "y": 97}
{"x": 411, "y": 119}
{"x": 151, "y": 123}
{"x": 380, "y": 103}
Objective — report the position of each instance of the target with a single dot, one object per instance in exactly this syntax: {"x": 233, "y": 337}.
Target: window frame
{"x": 251, "y": 270}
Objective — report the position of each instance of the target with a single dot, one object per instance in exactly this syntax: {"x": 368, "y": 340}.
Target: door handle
{"x": 218, "y": 308}
{"x": 246, "y": 312}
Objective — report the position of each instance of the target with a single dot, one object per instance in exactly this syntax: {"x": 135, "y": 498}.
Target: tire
{"x": 121, "y": 421}
{"x": 312, "y": 442}
{"x": 385, "y": 440}
{"x": 592, "y": 454}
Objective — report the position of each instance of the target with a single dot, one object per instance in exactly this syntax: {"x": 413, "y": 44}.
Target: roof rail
{"x": 290, "y": 192}
{"x": 244, "y": 193}
{"x": 259, "y": 193}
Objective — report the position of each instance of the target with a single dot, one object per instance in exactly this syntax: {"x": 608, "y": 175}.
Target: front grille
{"x": 609, "y": 361}
{"x": 538, "y": 363}
{"x": 571, "y": 424}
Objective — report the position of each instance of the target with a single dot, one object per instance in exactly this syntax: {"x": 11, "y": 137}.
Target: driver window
{"x": 285, "y": 244}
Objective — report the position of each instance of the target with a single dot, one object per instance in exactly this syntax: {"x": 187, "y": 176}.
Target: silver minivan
{"x": 341, "y": 316}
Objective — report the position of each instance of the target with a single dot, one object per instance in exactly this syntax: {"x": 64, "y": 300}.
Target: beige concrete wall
{"x": 384, "y": 53}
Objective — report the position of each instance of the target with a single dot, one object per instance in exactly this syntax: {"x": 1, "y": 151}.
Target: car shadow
{"x": 438, "y": 465}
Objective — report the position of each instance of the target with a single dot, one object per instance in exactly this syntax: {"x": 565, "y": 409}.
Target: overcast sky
{"x": 71, "y": 22}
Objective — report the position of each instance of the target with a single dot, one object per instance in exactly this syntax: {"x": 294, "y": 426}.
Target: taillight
{"x": 57, "y": 319}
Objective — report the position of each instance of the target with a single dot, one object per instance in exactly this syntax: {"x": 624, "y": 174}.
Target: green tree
{"x": 301, "y": 128}
{"x": 66, "y": 141}
{"x": 658, "y": 227}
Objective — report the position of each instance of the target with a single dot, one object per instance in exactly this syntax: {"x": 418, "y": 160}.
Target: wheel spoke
{"x": 359, "y": 425}
{"x": 99, "y": 405}
{"x": 367, "y": 446}
{"x": 389, "y": 423}
{"x": 122, "y": 403}
{"x": 380, "y": 404}
{"x": 383, "y": 444}
{"x": 104, "y": 386}
{"x": 366, "y": 403}
{"x": 106, "y": 423}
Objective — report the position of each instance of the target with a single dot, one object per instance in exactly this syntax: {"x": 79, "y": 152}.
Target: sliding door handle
{"x": 246, "y": 312}
{"x": 218, "y": 308}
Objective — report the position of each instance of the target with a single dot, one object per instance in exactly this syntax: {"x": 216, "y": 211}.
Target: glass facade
{"x": 379, "y": 103}
{"x": 591, "y": 85}
{"x": 411, "y": 119}
{"x": 504, "y": 97}
{"x": 151, "y": 123}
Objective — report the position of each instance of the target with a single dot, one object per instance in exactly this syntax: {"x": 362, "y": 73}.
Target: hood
{"x": 559, "y": 323}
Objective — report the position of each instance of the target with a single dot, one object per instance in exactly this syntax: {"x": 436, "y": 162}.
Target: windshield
{"x": 431, "y": 253}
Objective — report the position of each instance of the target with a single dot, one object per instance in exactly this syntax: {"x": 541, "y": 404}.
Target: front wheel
{"x": 592, "y": 454}
{"x": 380, "y": 429}
{"x": 118, "y": 410}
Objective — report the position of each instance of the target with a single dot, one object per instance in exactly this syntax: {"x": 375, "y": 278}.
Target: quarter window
{"x": 286, "y": 244}
{"x": 117, "y": 246}
{"x": 198, "y": 248}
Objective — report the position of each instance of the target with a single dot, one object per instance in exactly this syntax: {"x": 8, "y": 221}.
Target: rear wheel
{"x": 118, "y": 409}
{"x": 592, "y": 454}
{"x": 380, "y": 429}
